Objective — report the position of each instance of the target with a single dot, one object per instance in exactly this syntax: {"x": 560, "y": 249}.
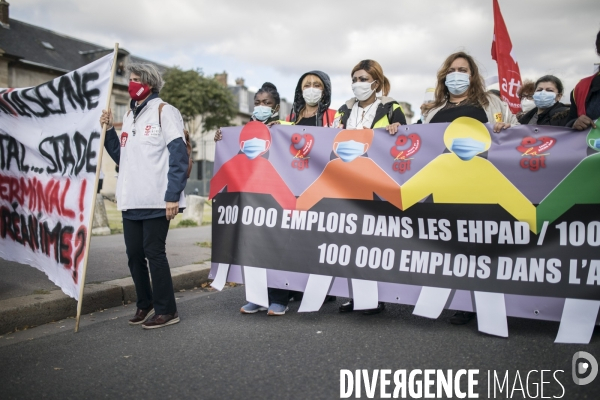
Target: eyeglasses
{"x": 526, "y": 96}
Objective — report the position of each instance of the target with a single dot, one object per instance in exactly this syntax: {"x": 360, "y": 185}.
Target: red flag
{"x": 509, "y": 75}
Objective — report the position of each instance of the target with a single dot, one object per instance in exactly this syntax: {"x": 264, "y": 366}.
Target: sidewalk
{"x": 23, "y": 312}
{"x": 28, "y": 298}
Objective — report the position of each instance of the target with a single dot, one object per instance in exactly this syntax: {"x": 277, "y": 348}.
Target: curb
{"x": 37, "y": 309}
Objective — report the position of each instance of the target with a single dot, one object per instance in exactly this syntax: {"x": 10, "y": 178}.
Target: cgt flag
{"x": 49, "y": 146}
{"x": 508, "y": 69}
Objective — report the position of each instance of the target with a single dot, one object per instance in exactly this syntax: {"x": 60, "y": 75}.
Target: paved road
{"x": 107, "y": 261}
{"x": 217, "y": 353}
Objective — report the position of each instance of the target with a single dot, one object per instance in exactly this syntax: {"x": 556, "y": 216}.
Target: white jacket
{"x": 144, "y": 162}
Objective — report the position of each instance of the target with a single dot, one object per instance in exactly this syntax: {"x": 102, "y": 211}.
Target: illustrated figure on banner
{"x": 461, "y": 177}
{"x": 250, "y": 171}
{"x": 351, "y": 165}
{"x": 581, "y": 186}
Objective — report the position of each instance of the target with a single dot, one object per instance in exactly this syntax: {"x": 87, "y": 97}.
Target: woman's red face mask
{"x": 138, "y": 90}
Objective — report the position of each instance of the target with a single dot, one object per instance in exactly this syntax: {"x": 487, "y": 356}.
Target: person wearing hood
{"x": 366, "y": 110}
{"x": 548, "y": 109}
{"x": 311, "y": 101}
{"x": 311, "y": 108}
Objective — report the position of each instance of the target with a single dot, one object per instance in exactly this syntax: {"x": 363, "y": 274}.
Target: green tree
{"x": 194, "y": 94}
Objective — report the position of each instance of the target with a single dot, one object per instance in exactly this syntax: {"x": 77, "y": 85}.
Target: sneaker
{"x": 159, "y": 321}
{"x": 251, "y": 308}
{"x": 462, "y": 317}
{"x": 141, "y": 316}
{"x": 277, "y": 309}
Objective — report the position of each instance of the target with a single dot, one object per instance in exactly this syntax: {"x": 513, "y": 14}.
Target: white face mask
{"x": 362, "y": 90}
{"x": 312, "y": 96}
{"x": 527, "y": 105}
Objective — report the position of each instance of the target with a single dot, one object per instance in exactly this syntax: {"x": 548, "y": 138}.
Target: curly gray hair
{"x": 148, "y": 74}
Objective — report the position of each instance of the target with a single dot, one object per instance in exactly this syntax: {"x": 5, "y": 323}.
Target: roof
{"x": 42, "y": 47}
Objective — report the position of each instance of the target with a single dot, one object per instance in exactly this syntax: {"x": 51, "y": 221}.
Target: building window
{"x": 120, "y": 110}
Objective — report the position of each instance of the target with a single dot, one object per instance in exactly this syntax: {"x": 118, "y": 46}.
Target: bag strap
{"x": 390, "y": 113}
{"x": 160, "y": 107}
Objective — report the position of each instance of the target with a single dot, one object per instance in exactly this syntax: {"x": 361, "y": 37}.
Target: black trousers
{"x": 282, "y": 296}
{"x": 279, "y": 296}
{"x": 146, "y": 240}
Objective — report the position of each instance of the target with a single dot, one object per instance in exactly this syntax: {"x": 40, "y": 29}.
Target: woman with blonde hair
{"x": 312, "y": 99}
{"x": 367, "y": 110}
{"x": 460, "y": 92}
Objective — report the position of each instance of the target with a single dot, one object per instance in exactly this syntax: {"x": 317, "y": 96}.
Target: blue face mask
{"x": 253, "y": 147}
{"x": 457, "y": 82}
{"x": 467, "y": 148}
{"x": 349, "y": 150}
{"x": 262, "y": 113}
{"x": 544, "y": 99}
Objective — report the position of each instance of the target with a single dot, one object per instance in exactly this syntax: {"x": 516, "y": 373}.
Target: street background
{"x": 217, "y": 353}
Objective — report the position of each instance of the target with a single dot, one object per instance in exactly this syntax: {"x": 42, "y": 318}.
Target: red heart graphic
{"x": 301, "y": 145}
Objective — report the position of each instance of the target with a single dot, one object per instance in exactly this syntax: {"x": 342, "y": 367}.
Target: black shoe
{"x": 347, "y": 307}
{"x": 462, "y": 317}
{"x": 380, "y": 308}
{"x": 329, "y": 298}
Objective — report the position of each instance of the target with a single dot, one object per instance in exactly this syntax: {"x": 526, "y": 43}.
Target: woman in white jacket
{"x": 460, "y": 92}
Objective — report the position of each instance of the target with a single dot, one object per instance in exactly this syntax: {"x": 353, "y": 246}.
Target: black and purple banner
{"x": 443, "y": 205}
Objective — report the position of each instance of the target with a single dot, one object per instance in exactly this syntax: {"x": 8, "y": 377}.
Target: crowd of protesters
{"x": 153, "y": 162}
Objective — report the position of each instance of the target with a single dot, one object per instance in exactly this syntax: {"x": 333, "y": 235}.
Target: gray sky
{"x": 278, "y": 41}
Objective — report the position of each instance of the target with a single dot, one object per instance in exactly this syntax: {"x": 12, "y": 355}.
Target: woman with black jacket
{"x": 312, "y": 100}
{"x": 548, "y": 109}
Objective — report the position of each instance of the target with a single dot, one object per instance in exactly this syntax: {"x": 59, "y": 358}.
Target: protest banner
{"x": 425, "y": 217}
{"x": 50, "y": 150}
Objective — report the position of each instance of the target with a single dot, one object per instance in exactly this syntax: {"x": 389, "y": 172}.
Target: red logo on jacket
{"x": 300, "y": 149}
{"x": 403, "y": 149}
{"x": 124, "y": 137}
{"x": 534, "y": 152}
